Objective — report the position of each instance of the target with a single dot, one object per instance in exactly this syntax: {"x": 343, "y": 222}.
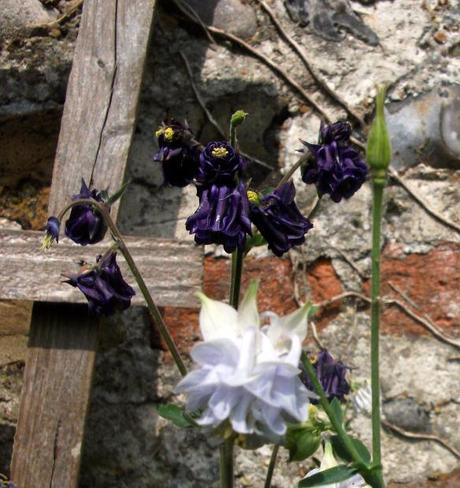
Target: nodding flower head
{"x": 331, "y": 374}
{"x": 51, "y": 232}
{"x": 278, "y": 219}
{"x": 222, "y": 217}
{"x": 103, "y": 286}
{"x": 220, "y": 164}
{"x": 336, "y": 168}
{"x": 85, "y": 224}
{"x": 178, "y": 153}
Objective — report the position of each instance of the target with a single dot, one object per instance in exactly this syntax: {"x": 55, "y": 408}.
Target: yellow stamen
{"x": 159, "y": 132}
{"x": 253, "y": 197}
{"x": 169, "y": 134}
{"x": 312, "y": 411}
{"x": 47, "y": 242}
{"x": 219, "y": 152}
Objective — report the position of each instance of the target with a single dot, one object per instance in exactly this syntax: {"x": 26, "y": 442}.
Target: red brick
{"x": 431, "y": 281}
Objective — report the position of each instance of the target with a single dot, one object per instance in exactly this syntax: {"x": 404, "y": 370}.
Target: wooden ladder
{"x": 96, "y": 132}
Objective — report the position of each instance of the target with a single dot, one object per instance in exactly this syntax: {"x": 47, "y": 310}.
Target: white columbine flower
{"x": 247, "y": 374}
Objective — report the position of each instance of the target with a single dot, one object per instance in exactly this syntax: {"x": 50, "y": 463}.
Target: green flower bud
{"x": 302, "y": 441}
{"x": 378, "y": 142}
{"x": 238, "y": 118}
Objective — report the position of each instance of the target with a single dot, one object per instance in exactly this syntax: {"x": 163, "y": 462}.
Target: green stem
{"x": 153, "y": 309}
{"x": 293, "y": 169}
{"x": 336, "y": 423}
{"x": 235, "y": 284}
{"x": 375, "y": 318}
{"x": 226, "y": 463}
{"x": 271, "y": 466}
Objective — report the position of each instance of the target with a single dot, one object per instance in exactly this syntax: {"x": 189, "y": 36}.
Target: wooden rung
{"x": 171, "y": 269}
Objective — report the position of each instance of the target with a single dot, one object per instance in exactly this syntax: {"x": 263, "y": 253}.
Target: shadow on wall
{"x": 224, "y": 83}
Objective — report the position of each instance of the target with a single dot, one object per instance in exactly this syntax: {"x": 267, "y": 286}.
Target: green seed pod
{"x": 238, "y": 118}
{"x": 378, "y": 142}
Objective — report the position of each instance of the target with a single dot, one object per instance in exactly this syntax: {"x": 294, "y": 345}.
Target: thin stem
{"x": 237, "y": 271}
{"x": 293, "y": 169}
{"x": 375, "y": 318}
{"x": 226, "y": 463}
{"x": 153, "y": 309}
{"x": 336, "y": 423}
{"x": 271, "y": 466}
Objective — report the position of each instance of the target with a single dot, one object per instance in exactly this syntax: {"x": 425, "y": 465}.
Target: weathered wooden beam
{"x": 171, "y": 269}
{"x": 96, "y": 132}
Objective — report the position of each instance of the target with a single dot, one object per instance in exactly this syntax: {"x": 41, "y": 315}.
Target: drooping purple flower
{"x": 220, "y": 164}
{"x": 279, "y": 220}
{"x": 85, "y": 224}
{"x": 222, "y": 217}
{"x": 331, "y": 374}
{"x": 104, "y": 286}
{"x": 178, "y": 153}
{"x": 337, "y": 168}
{"x": 51, "y": 232}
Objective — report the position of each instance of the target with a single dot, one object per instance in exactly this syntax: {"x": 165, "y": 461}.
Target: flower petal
{"x": 248, "y": 315}
{"x": 217, "y": 319}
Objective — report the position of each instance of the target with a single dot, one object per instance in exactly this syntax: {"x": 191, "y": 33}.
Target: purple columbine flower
{"x": 51, "y": 232}
{"x": 278, "y": 219}
{"x": 178, "y": 153}
{"x": 104, "y": 286}
{"x": 337, "y": 168}
{"x": 222, "y": 217}
{"x": 220, "y": 164}
{"x": 331, "y": 375}
{"x": 85, "y": 224}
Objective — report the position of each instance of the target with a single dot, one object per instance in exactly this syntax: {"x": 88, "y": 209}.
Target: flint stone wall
{"x": 419, "y": 57}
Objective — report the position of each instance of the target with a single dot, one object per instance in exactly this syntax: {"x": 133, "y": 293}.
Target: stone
{"x": 230, "y": 15}
{"x": 407, "y": 414}
{"x": 19, "y": 18}
{"x": 426, "y": 129}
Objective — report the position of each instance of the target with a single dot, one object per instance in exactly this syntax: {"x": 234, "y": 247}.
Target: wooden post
{"x": 96, "y": 132}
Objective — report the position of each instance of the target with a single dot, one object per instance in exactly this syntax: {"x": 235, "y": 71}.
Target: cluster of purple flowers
{"x": 227, "y": 208}
{"x": 225, "y": 212}
{"x": 102, "y": 284}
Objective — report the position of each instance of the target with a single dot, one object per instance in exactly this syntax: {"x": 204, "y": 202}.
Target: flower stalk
{"x": 153, "y": 309}
{"x": 375, "y": 320}
{"x": 271, "y": 466}
{"x": 226, "y": 450}
{"x": 336, "y": 423}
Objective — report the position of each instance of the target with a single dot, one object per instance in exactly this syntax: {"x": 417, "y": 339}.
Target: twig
{"x": 209, "y": 115}
{"x": 190, "y": 12}
{"x": 421, "y": 437}
{"x": 271, "y": 64}
{"x": 65, "y": 15}
{"x": 425, "y": 322}
{"x": 316, "y": 76}
{"x": 437, "y": 216}
{"x": 315, "y": 335}
{"x": 403, "y": 295}
{"x": 350, "y": 262}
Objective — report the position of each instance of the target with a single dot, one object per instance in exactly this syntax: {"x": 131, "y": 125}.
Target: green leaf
{"x": 302, "y": 442}
{"x": 332, "y": 475}
{"x": 174, "y": 414}
{"x": 118, "y": 194}
{"x": 337, "y": 408}
{"x": 342, "y": 452}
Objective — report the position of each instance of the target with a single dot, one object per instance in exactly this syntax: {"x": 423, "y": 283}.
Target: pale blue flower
{"x": 247, "y": 374}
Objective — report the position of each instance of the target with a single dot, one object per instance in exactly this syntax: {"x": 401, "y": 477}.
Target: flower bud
{"x": 378, "y": 142}
{"x": 238, "y": 118}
